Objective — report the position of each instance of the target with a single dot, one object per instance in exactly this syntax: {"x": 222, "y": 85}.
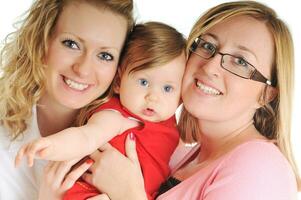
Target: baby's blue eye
{"x": 70, "y": 44}
{"x": 106, "y": 56}
{"x": 168, "y": 88}
{"x": 143, "y": 82}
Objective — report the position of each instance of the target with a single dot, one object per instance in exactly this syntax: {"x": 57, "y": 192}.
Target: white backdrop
{"x": 182, "y": 14}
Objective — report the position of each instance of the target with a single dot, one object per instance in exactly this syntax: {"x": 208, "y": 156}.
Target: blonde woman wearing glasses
{"x": 237, "y": 93}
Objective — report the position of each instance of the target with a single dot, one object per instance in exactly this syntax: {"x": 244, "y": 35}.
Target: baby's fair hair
{"x": 151, "y": 44}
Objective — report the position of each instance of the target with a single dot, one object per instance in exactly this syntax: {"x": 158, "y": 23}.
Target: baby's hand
{"x": 35, "y": 149}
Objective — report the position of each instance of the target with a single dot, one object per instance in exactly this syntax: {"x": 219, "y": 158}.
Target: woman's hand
{"x": 113, "y": 170}
{"x": 58, "y": 178}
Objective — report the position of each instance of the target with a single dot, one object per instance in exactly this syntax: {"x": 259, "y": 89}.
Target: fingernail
{"x": 89, "y": 161}
{"x": 132, "y": 136}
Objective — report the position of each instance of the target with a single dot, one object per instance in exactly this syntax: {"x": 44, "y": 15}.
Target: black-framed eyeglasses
{"x": 233, "y": 64}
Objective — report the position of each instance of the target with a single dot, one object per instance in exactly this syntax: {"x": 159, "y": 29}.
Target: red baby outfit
{"x": 155, "y": 143}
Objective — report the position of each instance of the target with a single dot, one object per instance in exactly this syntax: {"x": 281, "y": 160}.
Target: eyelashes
{"x": 74, "y": 45}
{"x": 106, "y": 56}
{"x": 145, "y": 83}
{"x": 70, "y": 44}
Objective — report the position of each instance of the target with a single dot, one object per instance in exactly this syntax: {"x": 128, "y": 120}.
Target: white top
{"x": 22, "y": 182}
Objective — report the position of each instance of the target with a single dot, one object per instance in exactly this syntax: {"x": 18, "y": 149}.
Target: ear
{"x": 116, "y": 87}
{"x": 271, "y": 94}
{"x": 117, "y": 81}
{"x": 268, "y": 94}
{"x": 180, "y": 101}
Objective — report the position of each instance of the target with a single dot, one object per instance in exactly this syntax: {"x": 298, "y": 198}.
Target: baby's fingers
{"x": 20, "y": 155}
{"x": 33, "y": 150}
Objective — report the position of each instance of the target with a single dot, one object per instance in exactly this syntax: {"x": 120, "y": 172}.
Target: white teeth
{"x": 206, "y": 89}
{"x": 75, "y": 85}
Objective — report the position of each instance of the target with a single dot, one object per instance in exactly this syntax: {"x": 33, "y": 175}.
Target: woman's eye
{"x": 105, "y": 56}
{"x": 168, "y": 88}
{"x": 143, "y": 82}
{"x": 208, "y": 47}
{"x": 70, "y": 44}
{"x": 241, "y": 62}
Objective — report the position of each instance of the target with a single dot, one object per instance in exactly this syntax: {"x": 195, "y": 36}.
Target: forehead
{"x": 92, "y": 23}
{"x": 244, "y": 31}
{"x": 171, "y": 71}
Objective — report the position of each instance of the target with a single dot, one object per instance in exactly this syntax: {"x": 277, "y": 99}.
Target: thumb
{"x": 130, "y": 148}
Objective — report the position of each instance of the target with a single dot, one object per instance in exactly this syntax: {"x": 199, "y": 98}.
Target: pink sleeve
{"x": 254, "y": 171}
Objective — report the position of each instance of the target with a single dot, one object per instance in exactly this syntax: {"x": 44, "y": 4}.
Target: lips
{"x": 75, "y": 85}
{"x": 207, "y": 89}
{"x": 148, "y": 112}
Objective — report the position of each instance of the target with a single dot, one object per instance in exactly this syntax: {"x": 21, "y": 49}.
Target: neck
{"x": 53, "y": 118}
{"x": 224, "y": 140}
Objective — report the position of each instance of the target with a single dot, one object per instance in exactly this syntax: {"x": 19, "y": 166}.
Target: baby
{"x": 147, "y": 93}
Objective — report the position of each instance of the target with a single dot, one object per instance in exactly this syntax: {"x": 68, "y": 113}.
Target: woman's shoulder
{"x": 258, "y": 152}
{"x": 32, "y": 132}
{"x": 258, "y": 156}
{"x": 259, "y": 165}
{"x": 253, "y": 170}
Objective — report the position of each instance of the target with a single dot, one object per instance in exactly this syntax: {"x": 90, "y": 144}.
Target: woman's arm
{"x": 113, "y": 170}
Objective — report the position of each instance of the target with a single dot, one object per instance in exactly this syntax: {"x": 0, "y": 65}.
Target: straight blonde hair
{"x": 273, "y": 120}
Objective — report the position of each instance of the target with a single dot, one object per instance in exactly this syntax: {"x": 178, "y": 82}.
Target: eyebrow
{"x": 212, "y": 35}
{"x": 247, "y": 50}
{"x": 241, "y": 47}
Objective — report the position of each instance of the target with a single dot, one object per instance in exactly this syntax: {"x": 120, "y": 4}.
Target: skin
{"x": 153, "y": 94}
{"x": 84, "y": 54}
{"x": 220, "y": 133}
{"x": 85, "y": 50}
{"x": 157, "y": 96}
{"x": 239, "y": 98}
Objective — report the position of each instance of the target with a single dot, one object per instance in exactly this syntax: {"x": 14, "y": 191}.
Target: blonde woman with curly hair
{"x": 63, "y": 56}
{"x": 147, "y": 93}
{"x": 237, "y": 98}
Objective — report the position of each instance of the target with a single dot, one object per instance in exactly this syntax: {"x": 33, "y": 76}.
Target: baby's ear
{"x": 117, "y": 81}
{"x": 116, "y": 88}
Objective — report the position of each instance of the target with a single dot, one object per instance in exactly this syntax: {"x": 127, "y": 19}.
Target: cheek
{"x": 244, "y": 95}
{"x": 191, "y": 68}
{"x": 172, "y": 104}
{"x": 106, "y": 75}
{"x": 186, "y": 81}
{"x": 58, "y": 59}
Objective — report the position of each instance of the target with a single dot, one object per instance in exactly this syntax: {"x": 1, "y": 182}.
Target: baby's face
{"x": 153, "y": 94}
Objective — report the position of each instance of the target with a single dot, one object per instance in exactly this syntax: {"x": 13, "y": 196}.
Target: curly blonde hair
{"x": 22, "y": 81}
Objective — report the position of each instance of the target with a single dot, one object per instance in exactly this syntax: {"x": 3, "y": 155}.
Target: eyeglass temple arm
{"x": 257, "y": 76}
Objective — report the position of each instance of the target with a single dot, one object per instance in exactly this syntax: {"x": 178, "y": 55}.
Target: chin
{"x": 75, "y": 103}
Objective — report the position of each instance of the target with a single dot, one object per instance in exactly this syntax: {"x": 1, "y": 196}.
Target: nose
{"x": 83, "y": 65}
{"x": 212, "y": 66}
{"x": 151, "y": 96}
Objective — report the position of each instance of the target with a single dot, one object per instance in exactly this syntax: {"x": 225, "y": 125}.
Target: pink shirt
{"x": 255, "y": 170}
